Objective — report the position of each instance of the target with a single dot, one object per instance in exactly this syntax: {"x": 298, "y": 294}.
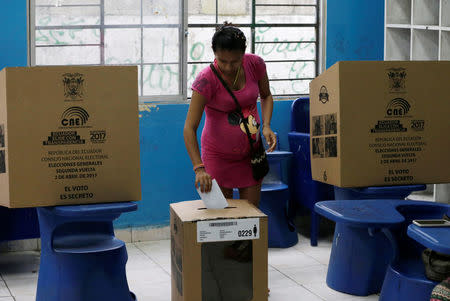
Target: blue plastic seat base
{"x": 405, "y": 280}
{"x": 81, "y": 277}
{"x": 93, "y": 209}
{"x": 84, "y": 244}
{"x": 81, "y": 259}
{"x": 376, "y": 192}
{"x": 358, "y": 261}
{"x": 281, "y": 233}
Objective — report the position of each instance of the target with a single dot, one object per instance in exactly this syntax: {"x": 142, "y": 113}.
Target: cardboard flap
{"x": 195, "y": 211}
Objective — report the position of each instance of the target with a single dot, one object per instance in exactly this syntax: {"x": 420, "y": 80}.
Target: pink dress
{"x": 225, "y": 147}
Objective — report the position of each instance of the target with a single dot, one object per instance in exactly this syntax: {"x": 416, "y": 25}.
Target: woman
{"x": 225, "y": 144}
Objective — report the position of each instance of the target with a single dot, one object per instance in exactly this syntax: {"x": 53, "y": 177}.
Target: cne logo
{"x": 398, "y": 107}
{"x": 74, "y": 117}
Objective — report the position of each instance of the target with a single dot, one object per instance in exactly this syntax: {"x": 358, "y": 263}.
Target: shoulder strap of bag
{"x": 239, "y": 109}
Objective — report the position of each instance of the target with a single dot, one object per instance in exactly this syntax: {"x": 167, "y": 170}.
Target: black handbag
{"x": 258, "y": 157}
{"x": 437, "y": 265}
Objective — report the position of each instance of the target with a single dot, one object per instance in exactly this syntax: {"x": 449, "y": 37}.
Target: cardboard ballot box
{"x": 68, "y": 135}
{"x": 381, "y": 123}
{"x": 218, "y": 254}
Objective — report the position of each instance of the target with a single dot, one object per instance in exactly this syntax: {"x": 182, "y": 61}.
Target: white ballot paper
{"x": 213, "y": 199}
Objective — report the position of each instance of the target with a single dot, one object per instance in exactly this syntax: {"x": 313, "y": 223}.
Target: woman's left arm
{"x": 267, "y": 108}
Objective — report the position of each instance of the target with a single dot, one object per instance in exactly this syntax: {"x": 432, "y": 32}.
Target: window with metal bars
{"x": 170, "y": 39}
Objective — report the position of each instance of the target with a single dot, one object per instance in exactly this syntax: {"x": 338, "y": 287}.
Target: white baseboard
{"x": 20, "y": 245}
{"x": 149, "y": 234}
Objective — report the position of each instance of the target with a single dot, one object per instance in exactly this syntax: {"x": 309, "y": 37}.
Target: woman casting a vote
{"x": 228, "y": 133}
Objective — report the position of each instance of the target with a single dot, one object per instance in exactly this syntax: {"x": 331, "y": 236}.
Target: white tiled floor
{"x": 296, "y": 273}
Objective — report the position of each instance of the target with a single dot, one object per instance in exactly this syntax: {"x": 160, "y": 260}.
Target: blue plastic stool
{"x": 81, "y": 260}
{"x": 274, "y": 202}
{"x": 371, "y": 252}
{"x": 304, "y": 190}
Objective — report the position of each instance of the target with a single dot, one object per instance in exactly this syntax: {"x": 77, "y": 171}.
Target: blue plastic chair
{"x": 300, "y": 115}
{"x": 81, "y": 260}
{"x": 371, "y": 266}
{"x": 304, "y": 190}
{"x": 370, "y": 235}
{"x": 274, "y": 202}
{"x": 405, "y": 277}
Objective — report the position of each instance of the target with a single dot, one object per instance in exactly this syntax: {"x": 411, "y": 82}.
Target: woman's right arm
{"x": 194, "y": 115}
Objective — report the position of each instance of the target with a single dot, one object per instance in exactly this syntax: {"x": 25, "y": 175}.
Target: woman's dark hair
{"x": 229, "y": 37}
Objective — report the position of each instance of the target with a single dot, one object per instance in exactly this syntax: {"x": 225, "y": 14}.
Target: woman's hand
{"x": 270, "y": 137}
{"x": 203, "y": 180}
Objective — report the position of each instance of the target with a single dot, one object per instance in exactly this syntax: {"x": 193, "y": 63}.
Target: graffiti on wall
{"x": 164, "y": 78}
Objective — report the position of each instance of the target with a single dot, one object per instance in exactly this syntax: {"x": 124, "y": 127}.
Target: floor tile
{"x": 23, "y": 286}
{"x": 288, "y": 258}
{"x": 319, "y": 253}
{"x": 277, "y": 279}
{"x": 151, "y": 290}
{"x": 295, "y": 292}
{"x": 158, "y": 251}
{"x": 24, "y": 298}
{"x": 307, "y": 275}
{"x": 4, "y": 292}
{"x": 322, "y": 290}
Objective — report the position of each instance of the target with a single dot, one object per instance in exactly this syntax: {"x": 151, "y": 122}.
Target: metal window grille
{"x": 55, "y": 39}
